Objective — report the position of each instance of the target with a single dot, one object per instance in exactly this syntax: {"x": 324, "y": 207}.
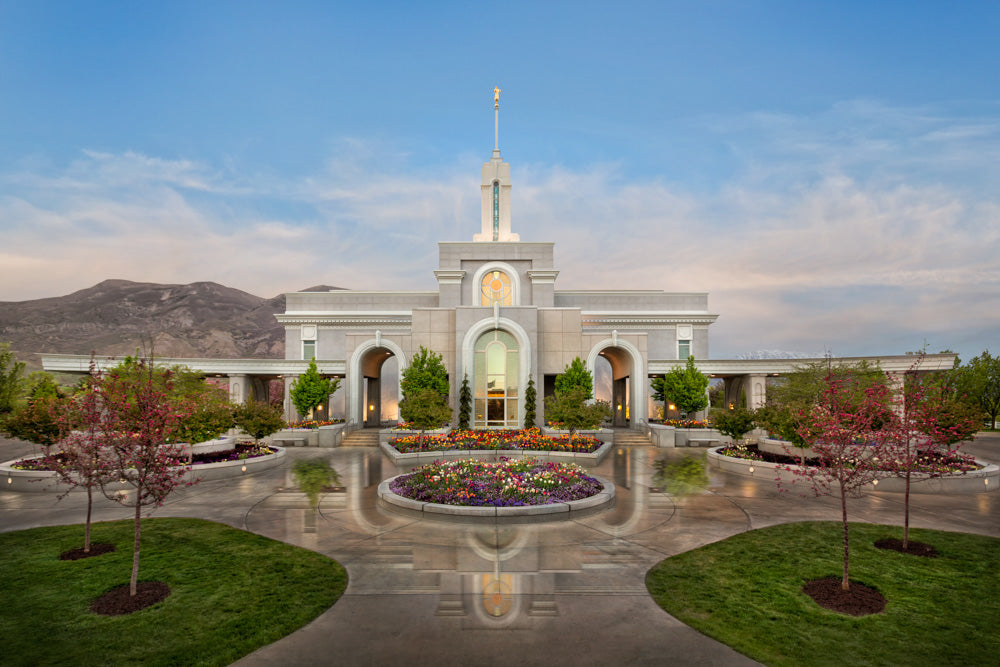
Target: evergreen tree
{"x": 426, "y": 408}
{"x": 684, "y": 387}
{"x": 571, "y": 408}
{"x": 575, "y": 375}
{"x": 530, "y": 398}
{"x": 465, "y": 403}
{"x": 312, "y": 389}
{"x": 426, "y": 371}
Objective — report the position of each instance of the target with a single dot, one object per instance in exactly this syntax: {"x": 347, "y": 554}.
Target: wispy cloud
{"x": 829, "y": 235}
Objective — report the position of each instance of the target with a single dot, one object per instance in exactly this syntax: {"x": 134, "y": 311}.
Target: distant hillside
{"x": 114, "y": 317}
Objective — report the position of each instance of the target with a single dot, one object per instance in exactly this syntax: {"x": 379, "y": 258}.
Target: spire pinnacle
{"x": 496, "y": 121}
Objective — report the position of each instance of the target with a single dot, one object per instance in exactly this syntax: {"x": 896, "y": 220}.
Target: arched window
{"x": 496, "y": 381}
{"x": 495, "y": 288}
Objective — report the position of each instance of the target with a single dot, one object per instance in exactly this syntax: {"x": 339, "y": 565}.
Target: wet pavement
{"x": 428, "y": 591}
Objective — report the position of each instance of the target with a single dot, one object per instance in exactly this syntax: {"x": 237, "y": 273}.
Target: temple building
{"x": 498, "y": 317}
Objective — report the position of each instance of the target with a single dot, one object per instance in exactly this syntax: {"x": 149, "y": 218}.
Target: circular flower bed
{"x": 531, "y": 439}
{"x": 955, "y": 463}
{"x": 503, "y": 483}
{"x": 239, "y": 452}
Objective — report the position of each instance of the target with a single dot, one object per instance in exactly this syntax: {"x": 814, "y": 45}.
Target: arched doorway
{"x": 376, "y": 367}
{"x": 496, "y": 380}
{"x": 627, "y": 380}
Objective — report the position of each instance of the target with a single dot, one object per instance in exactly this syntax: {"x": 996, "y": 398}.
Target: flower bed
{"x": 36, "y": 474}
{"x": 527, "y": 439}
{"x": 313, "y": 424}
{"x": 503, "y": 483}
{"x": 501, "y": 490}
{"x": 682, "y": 423}
{"x": 239, "y": 452}
{"x": 749, "y": 461}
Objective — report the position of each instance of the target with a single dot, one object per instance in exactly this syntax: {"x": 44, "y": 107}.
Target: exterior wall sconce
{"x": 671, "y": 407}
{"x": 750, "y": 469}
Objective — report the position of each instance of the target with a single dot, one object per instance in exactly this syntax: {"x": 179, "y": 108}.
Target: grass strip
{"x": 746, "y": 591}
{"x": 232, "y": 592}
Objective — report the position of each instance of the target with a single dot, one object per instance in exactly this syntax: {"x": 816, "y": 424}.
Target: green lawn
{"x": 232, "y": 592}
{"x": 746, "y": 592}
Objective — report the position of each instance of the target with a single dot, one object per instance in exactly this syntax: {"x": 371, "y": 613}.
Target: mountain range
{"x": 117, "y": 317}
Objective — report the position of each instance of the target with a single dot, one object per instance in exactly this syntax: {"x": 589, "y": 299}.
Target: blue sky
{"x": 827, "y": 171}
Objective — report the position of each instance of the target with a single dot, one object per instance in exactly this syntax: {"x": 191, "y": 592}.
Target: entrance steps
{"x": 361, "y": 438}
{"x": 630, "y": 438}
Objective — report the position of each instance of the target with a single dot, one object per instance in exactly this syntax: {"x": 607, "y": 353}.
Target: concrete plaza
{"x": 445, "y": 593}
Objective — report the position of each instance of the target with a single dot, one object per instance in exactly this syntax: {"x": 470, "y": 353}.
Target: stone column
{"x": 238, "y": 388}
{"x": 290, "y": 413}
{"x": 756, "y": 391}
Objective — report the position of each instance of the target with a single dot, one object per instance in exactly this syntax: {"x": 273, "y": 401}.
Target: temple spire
{"x": 496, "y": 122}
{"x": 496, "y": 189}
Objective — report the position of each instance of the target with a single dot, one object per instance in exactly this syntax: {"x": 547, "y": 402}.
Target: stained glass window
{"x": 496, "y": 288}
{"x": 496, "y": 210}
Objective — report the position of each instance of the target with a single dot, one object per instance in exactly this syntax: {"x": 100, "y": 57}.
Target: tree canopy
{"x": 570, "y": 407}
{"x": 575, "y": 375}
{"x": 11, "y": 373}
{"x": 684, "y": 387}
{"x": 426, "y": 371}
{"x": 426, "y": 408}
{"x": 312, "y": 389}
{"x": 980, "y": 381}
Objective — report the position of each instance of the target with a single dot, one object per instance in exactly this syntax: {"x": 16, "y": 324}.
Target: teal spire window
{"x": 496, "y": 210}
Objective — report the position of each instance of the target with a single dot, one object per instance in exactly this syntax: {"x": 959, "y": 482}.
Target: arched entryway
{"x": 627, "y": 391}
{"x": 376, "y": 367}
{"x": 496, "y": 356}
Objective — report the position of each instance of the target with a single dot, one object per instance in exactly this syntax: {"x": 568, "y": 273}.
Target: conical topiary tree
{"x": 465, "y": 403}
{"x": 530, "y": 398}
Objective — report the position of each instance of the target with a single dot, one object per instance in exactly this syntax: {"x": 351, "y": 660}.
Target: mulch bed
{"x": 913, "y": 548}
{"x": 860, "y": 600}
{"x": 118, "y": 602}
{"x": 96, "y": 549}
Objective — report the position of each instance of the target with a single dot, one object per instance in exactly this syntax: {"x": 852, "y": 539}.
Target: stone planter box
{"x": 387, "y": 434}
{"x": 209, "y": 446}
{"x": 661, "y": 435}
{"x": 324, "y": 436}
{"x": 45, "y": 480}
{"x": 550, "y": 512}
{"x": 699, "y": 437}
{"x": 984, "y": 480}
{"x": 784, "y": 448}
{"x": 414, "y": 459}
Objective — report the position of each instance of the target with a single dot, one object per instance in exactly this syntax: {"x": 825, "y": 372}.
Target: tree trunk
{"x": 906, "y": 513}
{"x": 86, "y": 528}
{"x": 134, "y": 583}
{"x": 845, "y": 584}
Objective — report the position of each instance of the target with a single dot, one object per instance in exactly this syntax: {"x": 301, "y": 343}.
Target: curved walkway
{"x": 424, "y": 592}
